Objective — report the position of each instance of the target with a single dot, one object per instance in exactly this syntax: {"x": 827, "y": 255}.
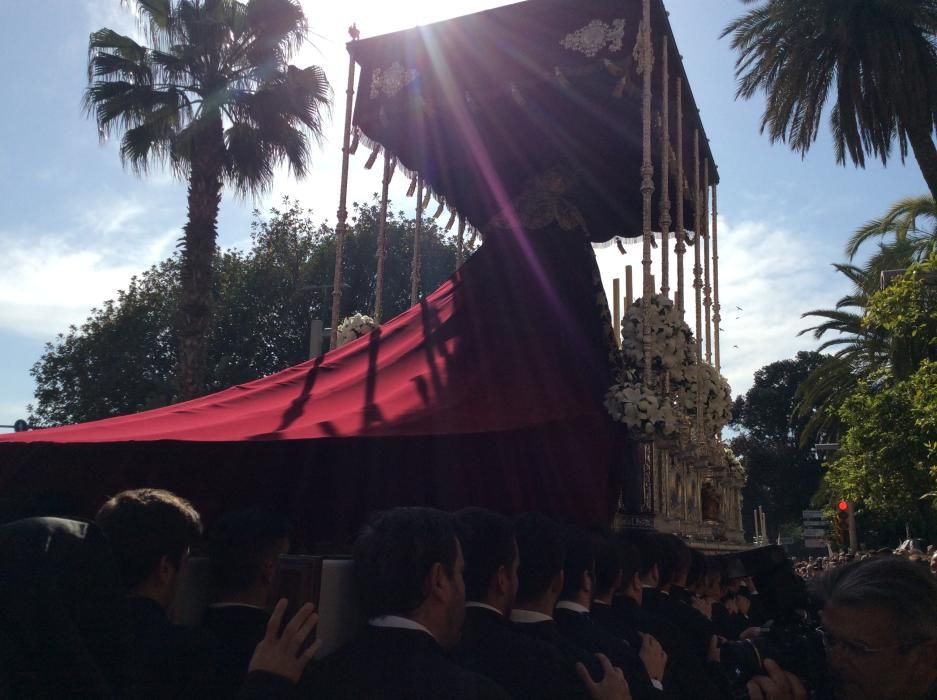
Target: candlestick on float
{"x": 616, "y": 309}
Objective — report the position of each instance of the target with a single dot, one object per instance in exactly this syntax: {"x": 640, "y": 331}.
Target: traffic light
{"x": 845, "y": 526}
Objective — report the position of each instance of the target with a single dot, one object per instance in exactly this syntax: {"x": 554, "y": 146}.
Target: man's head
{"x": 243, "y": 550}
{"x": 408, "y": 562}
{"x": 880, "y": 618}
{"x": 648, "y": 548}
{"x": 674, "y": 562}
{"x": 578, "y": 568}
{"x": 542, "y": 551}
{"x": 150, "y": 532}
{"x": 608, "y": 567}
{"x": 491, "y": 561}
{"x": 933, "y": 564}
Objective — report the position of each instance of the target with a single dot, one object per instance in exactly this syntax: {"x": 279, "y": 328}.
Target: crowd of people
{"x": 471, "y": 604}
{"x": 911, "y": 550}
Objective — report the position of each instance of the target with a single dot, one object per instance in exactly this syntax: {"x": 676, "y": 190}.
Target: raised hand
{"x": 281, "y": 654}
{"x": 652, "y": 656}
{"x": 613, "y": 685}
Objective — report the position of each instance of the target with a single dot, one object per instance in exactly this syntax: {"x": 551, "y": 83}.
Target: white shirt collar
{"x": 570, "y": 605}
{"x": 601, "y": 602}
{"x": 529, "y": 616}
{"x": 398, "y": 622}
{"x": 476, "y": 604}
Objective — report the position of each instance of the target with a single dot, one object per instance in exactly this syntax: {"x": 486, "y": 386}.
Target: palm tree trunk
{"x": 198, "y": 251}
{"x": 922, "y": 143}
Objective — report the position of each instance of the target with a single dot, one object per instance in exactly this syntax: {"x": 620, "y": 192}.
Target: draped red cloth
{"x": 488, "y": 392}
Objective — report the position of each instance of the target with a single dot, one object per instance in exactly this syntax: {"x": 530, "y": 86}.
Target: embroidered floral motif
{"x": 391, "y": 80}
{"x": 595, "y": 37}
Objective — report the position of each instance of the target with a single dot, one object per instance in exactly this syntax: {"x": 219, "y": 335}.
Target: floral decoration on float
{"x": 354, "y": 327}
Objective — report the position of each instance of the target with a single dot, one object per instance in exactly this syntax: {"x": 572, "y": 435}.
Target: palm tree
{"x": 876, "y": 57}
{"x": 215, "y": 97}
{"x": 860, "y": 351}
{"x": 912, "y": 242}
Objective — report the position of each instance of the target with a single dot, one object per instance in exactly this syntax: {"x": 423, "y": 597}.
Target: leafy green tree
{"x": 782, "y": 475}
{"x": 912, "y": 242}
{"x": 215, "y": 97}
{"x": 888, "y": 456}
{"x": 875, "y": 59}
{"x": 122, "y": 359}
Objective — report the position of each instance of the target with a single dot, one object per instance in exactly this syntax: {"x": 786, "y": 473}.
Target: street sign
{"x": 816, "y": 523}
{"x": 786, "y": 540}
{"x": 814, "y": 532}
{"x": 815, "y": 544}
{"x": 813, "y": 514}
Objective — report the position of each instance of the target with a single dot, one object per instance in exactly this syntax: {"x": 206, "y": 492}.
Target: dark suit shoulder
{"x": 398, "y": 664}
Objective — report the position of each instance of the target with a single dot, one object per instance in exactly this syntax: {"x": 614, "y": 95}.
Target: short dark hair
{"x": 647, "y": 545}
{"x": 675, "y": 558}
{"x": 580, "y": 558}
{"x": 543, "y": 552}
{"x": 697, "y": 570}
{"x": 239, "y": 543}
{"x": 608, "y": 563}
{"x": 487, "y": 544}
{"x": 904, "y": 588}
{"x": 394, "y": 554}
{"x": 143, "y": 526}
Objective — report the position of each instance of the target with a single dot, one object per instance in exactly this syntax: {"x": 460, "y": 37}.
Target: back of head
{"x": 487, "y": 544}
{"x": 675, "y": 559}
{"x": 647, "y": 546}
{"x": 394, "y": 554}
{"x": 697, "y": 570}
{"x": 608, "y": 563}
{"x": 239, "y": 545}
{"x": 904, "y": 588}
{"x": 145, "y": 525}
{"x": 62, "y": 620}
{"x": 540, "y": 544}
{"x": 580, "y": 559}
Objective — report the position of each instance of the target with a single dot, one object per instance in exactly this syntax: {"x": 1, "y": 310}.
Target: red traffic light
{"x": 843, "y": 505}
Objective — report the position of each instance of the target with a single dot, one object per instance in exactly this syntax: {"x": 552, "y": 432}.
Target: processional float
{"x": 672, "y": 399}
{"x": 544, "y": 128}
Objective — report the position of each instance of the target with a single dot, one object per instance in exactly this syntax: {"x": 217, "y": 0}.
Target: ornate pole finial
{"x": 681, "y": 202}
{"x": 646, "y": 67}
{"x": 341, "y": 227}
{"x": 417, "y": 253}
{"x": 717, "y": 318}
{"x": 382, "y": 239}
{"x": 665, "y": 172}
{"x": 707, "y": 289}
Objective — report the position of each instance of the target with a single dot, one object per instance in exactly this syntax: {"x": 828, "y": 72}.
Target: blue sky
{"x": 74, "y": 225}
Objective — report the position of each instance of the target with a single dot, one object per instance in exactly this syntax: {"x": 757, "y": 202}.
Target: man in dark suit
{"x": 409, "y": 577}
{"x": 643, "y": 668}
{"x": 150, "y": 532}
{"x": 491, "y": 644}
{"x": 243, "y": 550}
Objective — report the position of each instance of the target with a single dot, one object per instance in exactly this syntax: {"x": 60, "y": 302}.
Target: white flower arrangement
{"x": 641, "y": 409}
{"x": 716, "y": 401}
{"x": 354, "y": 327}
{"x": 671, "y": 340}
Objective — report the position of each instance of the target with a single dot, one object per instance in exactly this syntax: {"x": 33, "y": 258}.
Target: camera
{"x": 790, "y": 638}
{"x": 795, "y": 646}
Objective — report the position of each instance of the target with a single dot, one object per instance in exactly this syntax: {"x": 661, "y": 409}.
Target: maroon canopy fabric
{"x": 488, "y": 392}
{"x": 479, "y": 105}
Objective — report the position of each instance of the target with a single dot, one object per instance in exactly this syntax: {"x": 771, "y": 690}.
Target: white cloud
{"x": 768, "y": 277}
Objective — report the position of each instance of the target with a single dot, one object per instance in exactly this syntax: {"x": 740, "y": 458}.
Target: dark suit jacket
{"x": 397, "y": 664}
{"x": 582, "y": 630}
{"x": 236, "y": 630}
{"x": 167, "y": 661}
{"x": 686, "y": 674}
{"x": 526, "y": 667}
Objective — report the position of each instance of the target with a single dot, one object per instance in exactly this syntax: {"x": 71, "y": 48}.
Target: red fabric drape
{"x": 488, "y": 392}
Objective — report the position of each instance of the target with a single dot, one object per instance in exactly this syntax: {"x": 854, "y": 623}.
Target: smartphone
{"x": 299, "y": 580}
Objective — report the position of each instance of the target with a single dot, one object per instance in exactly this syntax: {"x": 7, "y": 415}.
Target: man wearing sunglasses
{"x": 880, "y": 629}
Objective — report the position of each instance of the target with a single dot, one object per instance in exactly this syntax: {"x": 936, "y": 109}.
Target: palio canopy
{"x": 480, "y": 105}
